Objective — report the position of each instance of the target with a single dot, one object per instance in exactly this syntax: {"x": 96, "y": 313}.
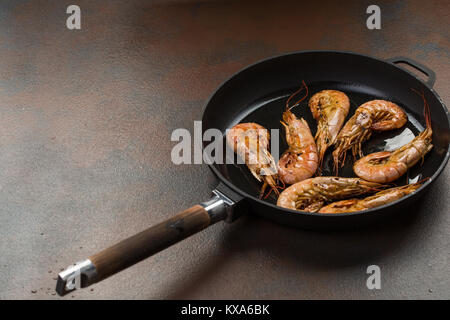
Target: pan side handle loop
{"x": 418, "y": 66}
{"x": 146, "y": 243}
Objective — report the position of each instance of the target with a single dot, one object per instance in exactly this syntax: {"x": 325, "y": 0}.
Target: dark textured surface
{"x": 85, "y": 149}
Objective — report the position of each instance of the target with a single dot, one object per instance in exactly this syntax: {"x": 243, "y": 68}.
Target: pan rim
{"x": 315, "y": 214}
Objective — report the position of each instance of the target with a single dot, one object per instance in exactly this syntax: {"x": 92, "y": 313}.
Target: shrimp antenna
{"x": 270, "y": 191}
{"x": 384, "y": 186}
{"x": 304, "y": 86}
{"x": 426, "y": 107}
{"x": 422, "y": 180}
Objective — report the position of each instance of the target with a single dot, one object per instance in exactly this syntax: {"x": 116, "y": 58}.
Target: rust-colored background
{"x": 86, "y": 118}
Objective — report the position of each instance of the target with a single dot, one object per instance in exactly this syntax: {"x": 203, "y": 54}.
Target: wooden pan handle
{"x": 150, "y": 241}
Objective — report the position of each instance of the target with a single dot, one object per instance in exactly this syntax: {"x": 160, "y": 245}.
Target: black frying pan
{"x": 258, "y": 94}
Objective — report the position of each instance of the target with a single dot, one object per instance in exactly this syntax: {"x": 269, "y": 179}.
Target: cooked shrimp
{"x": 378, "y": 199}
{"x": 251, "y": 141}
{"x": 375, "y": 115}
{"x": 299, "y": 162}
{"x": 387, "y": 166}
{"x": 329, "y": 108}
{"x": 311, "y": 194}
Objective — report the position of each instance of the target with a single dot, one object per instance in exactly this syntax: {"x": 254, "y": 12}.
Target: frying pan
{"x": 258, "y": 94}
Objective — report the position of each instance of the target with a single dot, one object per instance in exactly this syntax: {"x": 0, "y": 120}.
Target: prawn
{"x": 387, "y": 166}
{"x": 251, "y": 141}
{"x": 376, "y": 200}
{"x": 329, "y": 108}
{"x": 375, "y": 115}
{"x": 300, "y": 161}
{"x": 312, "y": 194}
